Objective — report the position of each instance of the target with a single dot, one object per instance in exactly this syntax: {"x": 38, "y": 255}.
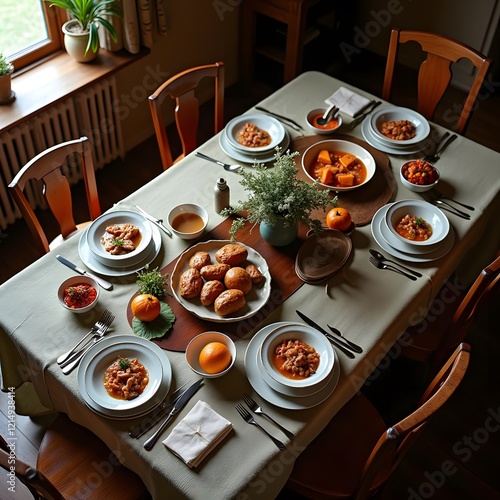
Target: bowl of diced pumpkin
{"x": 338, "y": 165}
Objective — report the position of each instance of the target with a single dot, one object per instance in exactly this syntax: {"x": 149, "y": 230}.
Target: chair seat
{"x": 59, "y": 239}
{"x": 96, "y": 472}
{"x": 319, "y": 472}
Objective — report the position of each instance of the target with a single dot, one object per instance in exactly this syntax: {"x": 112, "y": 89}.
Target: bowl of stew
{"x": 419, "y": 176}
{"x": 78, "y": 294}
{"x": 331, "y": 126}
{"x": 188, "y": 220}
{"x": 338, "y": 165}
{"x": 417, "y": 222}
{"x": 296, "y": 355}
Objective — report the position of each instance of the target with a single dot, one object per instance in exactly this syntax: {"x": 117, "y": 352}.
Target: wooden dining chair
{"x": 435, "y": 74}
{"x": 448, "y": 321}
{"x": 356, "y": 453}
{"x": 73, "y": 463}
{"x": 47, "y": 168}
{"x": 181, "y": 88}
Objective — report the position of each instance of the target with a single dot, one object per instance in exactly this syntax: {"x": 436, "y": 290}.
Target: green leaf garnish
{"x": 124, "y": 363}
{"x": 156, "y": 328}
{"x": 117, "y": 241}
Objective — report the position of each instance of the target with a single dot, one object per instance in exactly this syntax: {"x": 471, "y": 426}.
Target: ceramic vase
{"x": 75, "y": 43}
{"x": 6, "y": 94}
{"x": 278, "y": 234}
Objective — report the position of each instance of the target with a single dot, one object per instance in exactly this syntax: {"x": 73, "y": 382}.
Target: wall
{"x": 199, "y": 33}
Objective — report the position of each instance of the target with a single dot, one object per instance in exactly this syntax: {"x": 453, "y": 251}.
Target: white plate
{"x": 256, "y": 298}
{"x": 95, "y": 369}
{"x": 247, "y": 158}
{"x": 267, "y": 123}
{"x": 372, "y": 140}
{"x": 252, "y": 355}
{"x": 94, "y": 265}
{"x": 158, "y": 397}
{"x": 385, "y": 239}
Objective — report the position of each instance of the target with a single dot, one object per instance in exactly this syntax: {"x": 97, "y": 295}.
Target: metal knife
{"x": 360, "y": 118}
{"x": 333, "y": 341}
{"x": 158, "y": 222}
{"x": 103, "y": 283}
{"x": 181, "y": 402}
{"x": 293, "y": 123}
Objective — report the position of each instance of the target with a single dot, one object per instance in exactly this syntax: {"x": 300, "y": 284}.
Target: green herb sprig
{"x": 152, "y": 282}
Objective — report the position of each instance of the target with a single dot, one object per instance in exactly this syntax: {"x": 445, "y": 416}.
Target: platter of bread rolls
{"x": 221, "y": 281}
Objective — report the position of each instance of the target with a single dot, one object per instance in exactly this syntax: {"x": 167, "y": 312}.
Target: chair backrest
{"x": 435, "y": 75}
{"x": 181, "y": 88}
{"x": 396, "y": 441}
{"x": 46, "y": 167}
{"x": 38, "y": 485}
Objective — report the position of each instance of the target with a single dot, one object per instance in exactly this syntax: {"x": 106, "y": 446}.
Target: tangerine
{"x": 214, "y": 357}
{"x": 145, "y": 307}
{"x": 338, "y": 218}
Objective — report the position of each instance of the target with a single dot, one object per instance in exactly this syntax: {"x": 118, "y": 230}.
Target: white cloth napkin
{"x": 197, "y": 434}
{"x": 348, "y": 101}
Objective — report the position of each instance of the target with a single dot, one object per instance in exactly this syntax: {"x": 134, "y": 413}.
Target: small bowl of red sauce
{"x": 78, "y": 294}
{"x": 419, "y": 176}
{"x": 331, "y": 126}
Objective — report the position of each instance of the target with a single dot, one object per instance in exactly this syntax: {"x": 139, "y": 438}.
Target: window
{"x": 30, "y": 30}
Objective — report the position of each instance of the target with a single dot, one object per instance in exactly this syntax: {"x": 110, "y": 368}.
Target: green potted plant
{"x": 6, "y": 69}
{"x": 81, "y": 37}
{"x": 278, "y": 200}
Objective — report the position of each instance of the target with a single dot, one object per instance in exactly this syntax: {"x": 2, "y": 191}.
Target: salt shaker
{"x": 221, "y": 191}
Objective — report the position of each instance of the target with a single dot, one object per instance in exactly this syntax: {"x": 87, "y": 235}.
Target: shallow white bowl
{"x": 418, "y": 188}
{"x": 395, "y": 113}
{"x": 97, "y": 229}
{"x": 305, "y": 334}
{"x": 430, "y": 213}
{"x": 272, "y": 126}
{"x": 322, "y": 131}
{"x": 311, "y": 153}
{"x": 186, "y": 208}
{"x": 199, "y": 342}
{"x": 73, "y": 281}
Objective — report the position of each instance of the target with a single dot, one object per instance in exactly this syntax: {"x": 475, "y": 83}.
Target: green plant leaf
{"x": 156, "y": 328}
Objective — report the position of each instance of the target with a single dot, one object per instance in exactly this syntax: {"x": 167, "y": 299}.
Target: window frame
{"x": 54, "y": 19}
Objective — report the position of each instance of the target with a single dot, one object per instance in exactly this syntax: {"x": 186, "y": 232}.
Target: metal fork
{"x": 381, "y": 265}
{"x": 106, "y": 315}
{"x": 73, "y": 362}
{"x": 352, "y": 345}
{"x": 250, "y": 420}
{"x": 435, "y": 157}
{"x": 443, "y": 197}
{"x": 446, "y": 206}
{"x": 259, "y": 411}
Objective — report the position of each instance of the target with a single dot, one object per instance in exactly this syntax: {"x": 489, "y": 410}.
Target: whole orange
{"x": 338, "y": 218}
{"x": 145, "y": 307}
{"x": 214, "y": 357}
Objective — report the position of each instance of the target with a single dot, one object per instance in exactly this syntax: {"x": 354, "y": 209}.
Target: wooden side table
{"x": 293, "y": 13}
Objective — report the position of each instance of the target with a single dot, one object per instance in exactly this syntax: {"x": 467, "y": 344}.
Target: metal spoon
{"x": 229, "y": 168}
{"x": 326, "y": 116}
{"x": 352, "y": 345}
{"x": 381, "y": 265}
{"x": 382, "y": 257}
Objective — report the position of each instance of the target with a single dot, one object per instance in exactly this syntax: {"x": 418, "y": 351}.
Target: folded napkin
{"x": 197, "y": 434}
{"x": 348, "y": 101}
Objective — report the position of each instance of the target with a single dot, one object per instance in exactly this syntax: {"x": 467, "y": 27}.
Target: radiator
{"x": 89, "y": 113}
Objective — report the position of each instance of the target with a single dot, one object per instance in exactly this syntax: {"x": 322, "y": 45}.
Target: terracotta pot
{"x": 278, "y": 234}
{"x": 75, "y": 42}
{"x": 6, "y": 94}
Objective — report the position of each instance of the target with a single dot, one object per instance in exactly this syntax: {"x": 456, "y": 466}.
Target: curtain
{"x": 141, "y": 23}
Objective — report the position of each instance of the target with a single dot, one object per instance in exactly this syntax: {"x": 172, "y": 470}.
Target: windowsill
{"x": 56, "y": 79}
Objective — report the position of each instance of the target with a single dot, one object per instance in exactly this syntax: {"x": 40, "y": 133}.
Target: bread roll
{"x": 210, "y": 291}
{"x": 229, "y": 302}
{"x": 190, "y": 283}
{"x": 200, "y": 259}
{"x": 237, "y": 278}
{"x": 232, "y": 254}
{"x": 214, "y": 271}
{"x": 254, "y": 273}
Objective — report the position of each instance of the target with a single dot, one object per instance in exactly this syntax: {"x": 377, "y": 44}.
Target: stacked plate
{"x": 95, "y": 362}
{"x": 276, "y": 388}
{"x": 263, "y": 154}
{"x": 322, "y": 255}
{"x": 95, "y": 256}
{"x": 384, "y": 233}
{"x": 371, "y": 130}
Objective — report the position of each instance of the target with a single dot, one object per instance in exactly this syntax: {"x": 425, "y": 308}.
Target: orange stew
{"x": 295, "y": 359}
{"x": 252, "y": 136}
{"x": 80, "y": 295}
{"x": 125, "y": 379}
{"x": 331, "y": 124}
{"x": 419, "y": 172}
{"x": 338, "y": 169}
{"x": 414, "y": 228}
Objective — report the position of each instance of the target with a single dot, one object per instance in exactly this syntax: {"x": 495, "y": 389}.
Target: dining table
{"x": 371, "y": 307}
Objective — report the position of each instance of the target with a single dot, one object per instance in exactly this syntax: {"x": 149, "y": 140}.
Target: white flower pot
{"x": 6, "y": 94}
{"x": 75, "y": 42}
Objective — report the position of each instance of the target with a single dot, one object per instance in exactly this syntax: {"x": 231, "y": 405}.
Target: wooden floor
{"x": 465, "y": 434}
